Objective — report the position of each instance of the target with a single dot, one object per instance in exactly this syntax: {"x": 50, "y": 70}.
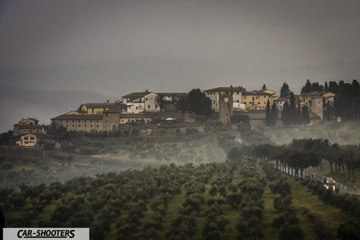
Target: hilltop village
{"x": 146, "y": 109}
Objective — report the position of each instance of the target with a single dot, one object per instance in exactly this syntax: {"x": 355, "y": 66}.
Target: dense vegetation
{"x": 209, "y": 201}
{"x": 300, "y": 154}
{"x": 195, "y": 102}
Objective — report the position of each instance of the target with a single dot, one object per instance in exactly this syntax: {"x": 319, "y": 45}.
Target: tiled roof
{"x": 312, "y": 93}
{"x": 136, "y": 115}
{"x": 259, "y": 92}
{"x": 27, "y": 119}
{"x": 110, "y": 107}
{"x": 226, "y": 89}
{"x": 22, "y": 126}
{"x": 79, "y": 117}
{"x": 117, "y": 107}
{"x": 172, "y": 94}
{"x": 136, "y": 95}
{"x": 98, "y": 105}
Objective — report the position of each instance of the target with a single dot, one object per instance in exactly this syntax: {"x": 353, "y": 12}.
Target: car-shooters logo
{"x": 46, "y": 233}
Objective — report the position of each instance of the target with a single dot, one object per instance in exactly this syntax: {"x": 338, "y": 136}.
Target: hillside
{"x": 87, "y": 156}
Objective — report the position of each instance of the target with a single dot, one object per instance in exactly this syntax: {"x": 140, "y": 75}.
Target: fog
{"x": 340, "y": 133}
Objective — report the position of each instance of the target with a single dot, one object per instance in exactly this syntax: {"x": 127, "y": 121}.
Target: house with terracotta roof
{"x": 28, "y": 125}
{"x": 99, "y": 108}
{"x": 140, "y": 102}
{"x": 257, "y": 99}
{"x": 315, "y": 101}
{"x": 79, "y": 121}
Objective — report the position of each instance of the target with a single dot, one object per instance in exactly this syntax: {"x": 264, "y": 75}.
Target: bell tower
{"x": 225, "y": 107}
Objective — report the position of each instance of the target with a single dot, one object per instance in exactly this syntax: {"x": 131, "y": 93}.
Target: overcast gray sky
{"x": 56, "y": 55}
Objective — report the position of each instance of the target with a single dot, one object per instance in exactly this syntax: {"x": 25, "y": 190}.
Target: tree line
{"x": 294, "y": 158}
{"x": 347, "y": 98}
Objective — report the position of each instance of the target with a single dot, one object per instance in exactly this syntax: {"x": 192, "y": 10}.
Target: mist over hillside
{"x": 88, "y": 156}
{"x": 341, "y": 133}
{"x": 91, "y": 156}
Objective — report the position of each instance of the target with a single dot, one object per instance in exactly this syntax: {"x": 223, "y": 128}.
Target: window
{"x": 148, "y": 106}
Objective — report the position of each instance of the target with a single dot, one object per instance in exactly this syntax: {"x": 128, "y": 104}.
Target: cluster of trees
{"x": 251, "y": 209}
{"x": 287, "y": 221}
{"x": 98, "y": 203}
{"x": 292, "y": 113}
{"x": 174, "y": 202}
{"x": 196, "y": 102}
{"x": 293, "y": 158}
{"x": 140, "y": 204}
{"x": 347, "y": 98}
{"x": 346, "y": 102}
{"x": 344, "y": 161}
{"x": 271, "y": 114}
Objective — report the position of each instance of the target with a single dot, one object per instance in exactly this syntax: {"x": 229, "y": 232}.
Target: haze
{"x": 56, "y": 55}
